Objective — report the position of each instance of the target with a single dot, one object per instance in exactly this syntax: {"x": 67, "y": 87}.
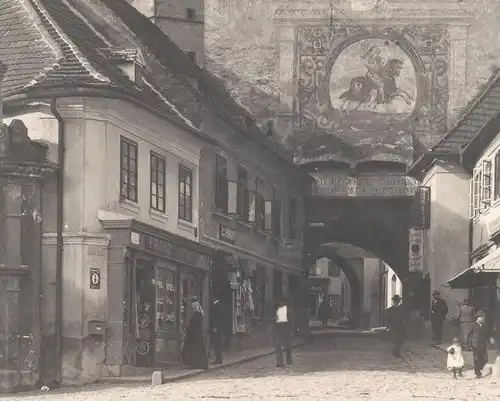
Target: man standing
{"x": 396, "y": 317}
{"x": 439, "y": 310}
{"x": 282, "y": 333}
{"x": 478, "y": 339}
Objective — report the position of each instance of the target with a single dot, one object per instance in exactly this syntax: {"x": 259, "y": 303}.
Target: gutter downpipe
{"x": 59, "y": 244}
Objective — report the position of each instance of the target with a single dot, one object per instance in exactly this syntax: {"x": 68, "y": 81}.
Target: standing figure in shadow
{"x": 397, "y": 319}
{"x": 466, "y": 316}
{"x": 194, "y": 353}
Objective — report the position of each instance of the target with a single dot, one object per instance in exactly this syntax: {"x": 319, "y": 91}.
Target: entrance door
{"x": 167, "y": 342}
{"x": 190, "y": 287}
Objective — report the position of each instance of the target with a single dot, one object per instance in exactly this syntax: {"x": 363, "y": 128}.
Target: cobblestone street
{"x": 341, "y": 368}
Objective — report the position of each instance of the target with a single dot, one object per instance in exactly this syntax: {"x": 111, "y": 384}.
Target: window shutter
{"x": 232, "y": 201}
{"x": 486, "y": 183}
{"x": 268, "y": 215}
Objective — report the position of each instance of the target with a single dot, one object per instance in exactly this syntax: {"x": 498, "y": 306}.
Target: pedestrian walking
{"x": 455, "y": 361}
{"x": 282, "y": 333}
{"x": 439, "y": 310}
{"x": 466, "y": 317}
{"x": 397, "y": 319}
{"x": 194, "y": 352}
{"x": 324, "y": 312}
{"x": 479, "y": 338}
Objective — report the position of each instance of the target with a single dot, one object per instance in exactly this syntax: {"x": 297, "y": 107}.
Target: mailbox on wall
{"x": 97, "y": 328}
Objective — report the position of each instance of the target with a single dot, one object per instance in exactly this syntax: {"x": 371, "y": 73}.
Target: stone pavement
{"x": 333, "y": 368}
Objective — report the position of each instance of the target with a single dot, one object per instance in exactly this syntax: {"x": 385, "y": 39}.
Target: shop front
{"x": 160, "y": 273}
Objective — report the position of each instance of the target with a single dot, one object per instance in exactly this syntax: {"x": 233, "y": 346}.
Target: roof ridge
{"x": 45, "y": 18}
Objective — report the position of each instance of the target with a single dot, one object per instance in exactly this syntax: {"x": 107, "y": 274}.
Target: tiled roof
{"x": 480, "y": 111}
{"x": 45, "y": 44}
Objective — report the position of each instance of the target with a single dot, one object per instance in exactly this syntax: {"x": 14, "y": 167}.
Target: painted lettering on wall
{"x": 378, "y": 186}
{"x": 173, "y": 251}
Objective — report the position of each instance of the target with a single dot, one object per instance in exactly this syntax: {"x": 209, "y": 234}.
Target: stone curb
{"x": 199, "y": 372}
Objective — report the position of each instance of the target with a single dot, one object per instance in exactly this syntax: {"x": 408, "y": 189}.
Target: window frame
{"x": 130, "y": 145}
{"x": 182, "y": 195}
{"x": 276, "y": 214}
{"x": 260, "y": 204}
{"x": 486, "y": 183}
{"x": 243, "y": 197}
{"x": 159, "y": 160}
{"x": 221, "y": 200}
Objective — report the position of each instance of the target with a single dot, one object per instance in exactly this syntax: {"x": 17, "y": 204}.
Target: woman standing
{"x": 466, "y": 318}
{"x": 194, "y": 353}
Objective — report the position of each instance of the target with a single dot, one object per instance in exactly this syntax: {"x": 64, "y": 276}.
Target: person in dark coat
{"x": 216, "y": 326}
{"x": 283, "y": 328}
{"x": 397, "y": 319}
{"x": 478, "y": 339}
{"x": 439, "y": 310}
{"x": 324, "y": 312}
{"x": 194, "y": 352}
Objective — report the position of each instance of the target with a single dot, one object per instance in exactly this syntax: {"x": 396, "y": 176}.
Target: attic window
{"x": 190, "y": 14}
{"x": 192, "y": 55}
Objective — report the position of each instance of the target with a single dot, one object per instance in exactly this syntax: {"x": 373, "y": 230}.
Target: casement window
{"x": 276, "y": 214}
{"x": 242, "y": 200}
{"x": 497, "y": 175}
{"x": 157, "y": 183}
{"x": 128, "y": 170}
{"x": 475, "y": 193}
{"x": 185, "y": 194}
{"x": 221, "y": 184}
{"x": 292, "y": 219}
{"x": 486, "y": 184}
{"x": 260, "y": 204}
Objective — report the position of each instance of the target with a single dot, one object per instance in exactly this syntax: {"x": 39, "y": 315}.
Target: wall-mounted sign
{"x": 135, "y": 238}
{"x": 95, "y": 279}
{"x": 227, "y": 234}
{"x": 416, "y": 254}
{"x": 370, "y": 186}
{"x": 421, "y": 209}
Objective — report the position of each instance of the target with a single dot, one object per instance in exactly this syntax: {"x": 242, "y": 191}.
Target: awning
{"x": 480, "y": 274}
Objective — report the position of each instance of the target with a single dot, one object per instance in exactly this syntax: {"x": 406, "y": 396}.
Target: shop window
{"x": 292, "y": 219}
{"x": 276, "y": 214}
{"x": 497, "y": 176}
{"x": 128, "y": 169}
{"x": 260, "y": 204}
{"x": 242, "y": 200}
{"x": 185, "y": 194}
{"x": 221, "y": 184}
{"x": 157, "y": 182}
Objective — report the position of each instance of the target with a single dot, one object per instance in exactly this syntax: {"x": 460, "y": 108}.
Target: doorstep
{"x": 180, "y": 372}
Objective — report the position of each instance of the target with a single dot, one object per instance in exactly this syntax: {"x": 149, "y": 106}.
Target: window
{"x": 128, "y": 169}
{"x": 497, "y": 176}
{"x": 259, "y": 204}
{"x": 276, "y": 214}
{"x": 185, "y": 195}
{"x": 252, "y": 206}
{"x": 292, "y": 219}
{"x": 242, "y": 200}
{"x": 221, "y": 183}
{"x": 190, "y": 14}
{"x": 192, "y": 55}
{"x": 157, "y": 182}
{"x": 333, "y": 269}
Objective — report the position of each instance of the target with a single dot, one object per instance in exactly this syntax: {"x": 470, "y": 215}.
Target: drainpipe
{"x": 59, "y": 246}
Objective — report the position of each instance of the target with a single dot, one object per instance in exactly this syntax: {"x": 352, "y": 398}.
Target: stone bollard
{"x": 157, "y": 378}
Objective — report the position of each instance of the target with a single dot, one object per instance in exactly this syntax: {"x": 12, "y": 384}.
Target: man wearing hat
{"x": 396, "y": 318}
{"x": 439, "y": 310}
{"x": 478, "y": 339}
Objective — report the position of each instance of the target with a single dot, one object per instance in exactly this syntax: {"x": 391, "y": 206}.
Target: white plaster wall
{"x": 446, "y": 251}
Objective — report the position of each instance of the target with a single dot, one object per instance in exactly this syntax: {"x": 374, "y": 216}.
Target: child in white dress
{"x": 455, "y": 362}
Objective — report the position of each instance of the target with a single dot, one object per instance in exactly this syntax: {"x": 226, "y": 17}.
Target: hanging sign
{"x": 95, "y": 279}
{"x": 416, "y": 254}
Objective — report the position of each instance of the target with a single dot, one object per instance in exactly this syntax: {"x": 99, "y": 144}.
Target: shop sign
{"x": 374, "y": 186}
{"x": 227, "y": 234}
{"x": 173, "y": 251}
{"x": 95, "y": 279}
{"x": 316, "y": 288}
{"x": 416, "y": 257}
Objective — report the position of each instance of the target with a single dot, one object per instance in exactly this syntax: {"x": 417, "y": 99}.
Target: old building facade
{"x": 131, "y": 227}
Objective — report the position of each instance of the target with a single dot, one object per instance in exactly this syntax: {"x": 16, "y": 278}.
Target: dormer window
{"x": 130, "y": 61}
